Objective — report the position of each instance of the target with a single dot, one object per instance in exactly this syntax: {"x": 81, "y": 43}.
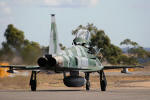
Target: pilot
{"x": 83, "y": 38}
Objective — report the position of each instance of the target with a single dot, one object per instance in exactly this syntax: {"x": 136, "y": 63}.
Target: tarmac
{"x": 76, "y": 94}
{"x": 135, "y": 90}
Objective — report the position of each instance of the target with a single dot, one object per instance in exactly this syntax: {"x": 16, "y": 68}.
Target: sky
{"x": 120, "y": 19}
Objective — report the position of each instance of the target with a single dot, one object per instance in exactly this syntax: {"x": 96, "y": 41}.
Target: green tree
{"x": 14, "y": 37}
{"x": 134, "y": 44}
{"x": 129, "y": 44}
{"x": 126, "y": 60}
{"x": 135, "y": 51}
{"x": 12, "y": 46}
{"x": 101, "y": 40}
{"x": 31, "y": 52}
{"x": 17, "y": 46}
{"x": 126, "y": 42}
{"x": 139, "y": 52}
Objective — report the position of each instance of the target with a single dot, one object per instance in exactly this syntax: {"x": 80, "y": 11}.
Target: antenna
{"x": 99, "y": 51}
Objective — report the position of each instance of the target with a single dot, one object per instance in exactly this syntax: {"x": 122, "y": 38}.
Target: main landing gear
{"x": 33, "y": 81}
{"x": 103, "y": 81}
{"x": 87, "y": 81}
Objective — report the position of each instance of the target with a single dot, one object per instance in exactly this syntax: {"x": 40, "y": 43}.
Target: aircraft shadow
{"x": 60, "y": 90}
{"x": 41, "y": 90}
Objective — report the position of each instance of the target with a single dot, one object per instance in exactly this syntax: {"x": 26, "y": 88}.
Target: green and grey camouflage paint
{"x": 75, "y": 57}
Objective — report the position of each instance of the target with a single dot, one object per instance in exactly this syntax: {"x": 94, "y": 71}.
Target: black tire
{"x": 103, "y": 85}
{"x": 74, "y": 81}
{"x": 88, "y": 86}
{"x": 33, "y": 85}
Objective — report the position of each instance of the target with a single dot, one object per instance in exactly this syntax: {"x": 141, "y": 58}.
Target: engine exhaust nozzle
{"x": 51, "y": 60}
{"x": 42, "y": 62}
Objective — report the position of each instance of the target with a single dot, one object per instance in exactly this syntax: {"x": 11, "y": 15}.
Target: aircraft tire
{"x": 103, "y": 85}
{"x": 88, "y": 86}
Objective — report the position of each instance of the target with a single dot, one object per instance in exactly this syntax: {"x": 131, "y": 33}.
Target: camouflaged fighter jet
{"x": 79, "y": 58}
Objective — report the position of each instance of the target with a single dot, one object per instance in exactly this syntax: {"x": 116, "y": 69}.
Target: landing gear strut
{"x": 33, "y": 81}
{"x": 103, "y": 81}
{"x": 87, "y": 81}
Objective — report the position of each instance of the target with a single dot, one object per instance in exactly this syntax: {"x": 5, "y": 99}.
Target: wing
{"x": 122, "y": 66}
{"x": 20, "y": 67}
{"x": 24, "y": 67}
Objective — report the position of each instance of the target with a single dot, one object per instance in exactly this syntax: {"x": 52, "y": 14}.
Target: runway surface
{"x": 71, "y": 94}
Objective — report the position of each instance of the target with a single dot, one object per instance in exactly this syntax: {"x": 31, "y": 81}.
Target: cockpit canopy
{"x": 82, "y": 37}
{"x": 83, "y": 33}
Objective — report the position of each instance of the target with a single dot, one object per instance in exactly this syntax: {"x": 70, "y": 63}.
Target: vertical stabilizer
{"x": 53, "y": 46}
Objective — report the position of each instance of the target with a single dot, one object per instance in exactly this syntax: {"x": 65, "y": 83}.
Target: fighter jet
{"x": 80, "y": 58}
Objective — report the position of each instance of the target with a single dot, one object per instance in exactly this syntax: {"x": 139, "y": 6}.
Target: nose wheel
{"x": 33, "y": 81}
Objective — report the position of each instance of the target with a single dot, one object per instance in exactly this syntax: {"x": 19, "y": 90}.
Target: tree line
{"x": 111, "y": 53}
{"x": 19, "y": 50}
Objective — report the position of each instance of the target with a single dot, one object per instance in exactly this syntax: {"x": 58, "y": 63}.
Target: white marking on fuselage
{"x": 82, "y": 62}
{"x": 82, "y": 50}
{"x": 79, "y": 62}
{"x": 67, "y": 59}
{"x": 70, "y": 53}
